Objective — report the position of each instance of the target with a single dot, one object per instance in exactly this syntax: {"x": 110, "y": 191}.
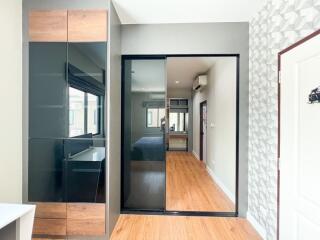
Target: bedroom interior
{"x": 171, "y": 161}
{"x": 45, "y": 150}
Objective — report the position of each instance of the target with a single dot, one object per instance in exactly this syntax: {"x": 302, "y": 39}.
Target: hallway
{"x": 149, "y": 227}
{"x": 189, "y": 187}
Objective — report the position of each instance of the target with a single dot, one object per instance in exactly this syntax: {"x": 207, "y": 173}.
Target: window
{"x": 92, "y": 114}
{"x": 83, "y": 113}
{"x": 178, "y": 121}
{"x": 77, "y": 112}
{"x": 154, "y": 117}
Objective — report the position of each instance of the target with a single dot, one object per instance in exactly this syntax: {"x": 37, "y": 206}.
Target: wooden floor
{"x": 189, "y": 187}
{"x": 147, "y": 227}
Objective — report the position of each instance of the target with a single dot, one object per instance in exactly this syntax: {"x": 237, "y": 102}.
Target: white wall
{"x": 278, "y": 25}
{"x": 11, "y": 101}
{"x": 220, "y": 94}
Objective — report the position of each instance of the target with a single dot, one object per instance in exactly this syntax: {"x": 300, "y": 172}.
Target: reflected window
{"x": 76, "y": 112}
{"x": 178, "y": 121}
{"x": 93, "y": 114}
{"x": 83, "y": 113}
{"x": 155, "y": 116}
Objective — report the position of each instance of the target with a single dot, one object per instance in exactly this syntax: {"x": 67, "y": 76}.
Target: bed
{"x": 148, "y": 149}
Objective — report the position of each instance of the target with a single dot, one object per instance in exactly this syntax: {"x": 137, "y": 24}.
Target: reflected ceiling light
{"x": 177, "y": 82}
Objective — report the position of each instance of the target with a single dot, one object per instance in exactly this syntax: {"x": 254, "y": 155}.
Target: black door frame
{"x": 201, "y": 128}
{"x": 181, "y": 213}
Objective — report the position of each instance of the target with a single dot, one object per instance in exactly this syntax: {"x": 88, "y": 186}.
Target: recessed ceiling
{"x": 182, "y": 71}
{"x": 184, "y": 11}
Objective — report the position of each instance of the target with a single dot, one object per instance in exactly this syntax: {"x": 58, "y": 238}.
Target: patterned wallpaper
{"x": 279, "y": 24}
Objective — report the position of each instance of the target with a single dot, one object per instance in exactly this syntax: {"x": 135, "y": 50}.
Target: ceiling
{"x": 184, "y": 11}
{"x": 182, "y": 71}
{"x": 95, "y": 51}
{"x": 148, "y": 76}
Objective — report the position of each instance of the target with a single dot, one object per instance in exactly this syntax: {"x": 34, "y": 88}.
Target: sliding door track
{"x": 180, "y": 213}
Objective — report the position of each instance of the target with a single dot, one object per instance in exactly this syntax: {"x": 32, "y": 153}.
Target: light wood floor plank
{"x": 189, "y": 187}
{"x": 148, "y": 227}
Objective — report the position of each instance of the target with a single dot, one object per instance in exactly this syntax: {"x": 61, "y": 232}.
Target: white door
{"x": 300, "y": 143}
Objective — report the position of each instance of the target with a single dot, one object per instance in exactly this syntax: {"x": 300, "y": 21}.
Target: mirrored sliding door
{"x": 143, "y": 137}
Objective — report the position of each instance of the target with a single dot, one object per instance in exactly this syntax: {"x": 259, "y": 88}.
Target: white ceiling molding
{"x": 186, "y": 11}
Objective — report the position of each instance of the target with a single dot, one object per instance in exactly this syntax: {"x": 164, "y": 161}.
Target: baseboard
{"x": 261, "y": 230}
{"x": 196, "y": 155}
{"x": 221, "y": 185}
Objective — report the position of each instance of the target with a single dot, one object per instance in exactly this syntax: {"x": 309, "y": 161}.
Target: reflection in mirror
{"x": 144, "y": 134}
{"x": 201, "y": 157}
{"x": 67, "y": 135}
{"x": 178, "y": 121}
{"x": 84, "y": 151}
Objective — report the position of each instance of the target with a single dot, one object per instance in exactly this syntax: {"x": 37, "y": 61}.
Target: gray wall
{"x": 113, "y": 118}
{"x": 63, "y": 4}
{"x": 208, "y": 38}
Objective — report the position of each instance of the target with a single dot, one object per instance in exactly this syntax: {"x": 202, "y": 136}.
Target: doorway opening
{"x": 172, "y": 163}
{"x": 203, "y": 131}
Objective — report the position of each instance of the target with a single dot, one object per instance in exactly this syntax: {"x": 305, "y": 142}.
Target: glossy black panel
{"x": 84, "y": 171}
{"x": 46, "y": 170}
{"x": 66, "y": 122}
{"x": 143, "y": 153}
{"x": 47, "y": 90}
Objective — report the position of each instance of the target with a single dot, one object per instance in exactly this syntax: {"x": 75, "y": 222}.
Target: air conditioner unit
{"x": 200, "y": 82}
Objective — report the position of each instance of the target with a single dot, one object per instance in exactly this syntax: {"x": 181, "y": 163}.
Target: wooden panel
{"x": 51, "y": 210}
{"x": 86, "y": 210}
{"x": 189, "y": 187}
{"x": 87, "y": 26}
{"x": 54, "y": 227}
{"x": 86, "y": 219}
{"x": 89, "y": 227}
{"x": 48, "y": 26}
{"x": 131, "y": 227}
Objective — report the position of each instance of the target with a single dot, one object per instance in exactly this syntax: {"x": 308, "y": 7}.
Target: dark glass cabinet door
{"x": 66, "y": 122}
{"x": 143, "y": 141}
{"x": 47, "y": 118}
